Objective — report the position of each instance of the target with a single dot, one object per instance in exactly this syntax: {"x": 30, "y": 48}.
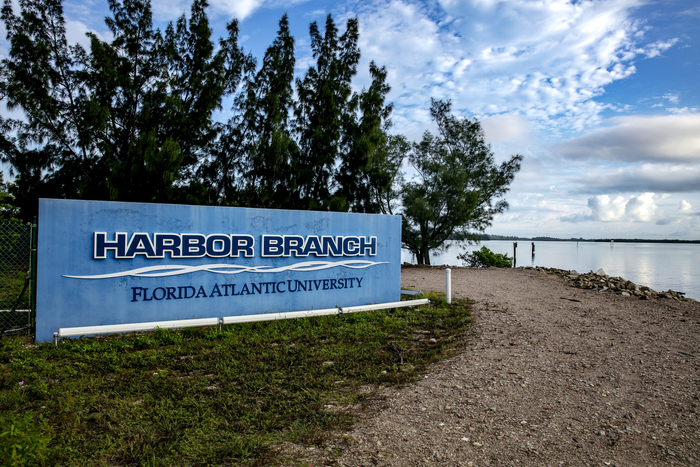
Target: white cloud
{"x": 315, "y": 13}
{"x": 683, "y": 110}
{"x": 638, "y": 138}
{"x": 546, "y": 60}
{"x": 672, "y": 98}
{"x": 655, "y": 49}
{"x": 82, "y": 9}
{"x": 676, "y": 178}
{"x": 692, "y": 12}
{"x": 684, "y": 213}
{"x": 75, "y": 33}
{"x": 602, "y": 208}
{"x": 641, "y": 208}
{"x": 241, "y": 9}
{"x": 76, "y": 30}
{"x": 507, "y": 128}
{"x": 166, "y": 10}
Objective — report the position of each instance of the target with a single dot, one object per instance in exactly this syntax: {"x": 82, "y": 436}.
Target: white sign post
{"x": 448, "y": 285}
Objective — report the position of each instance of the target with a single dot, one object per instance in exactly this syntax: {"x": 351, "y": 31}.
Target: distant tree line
{"x": 133, "y": 119}
{"x": 484, "y": 237}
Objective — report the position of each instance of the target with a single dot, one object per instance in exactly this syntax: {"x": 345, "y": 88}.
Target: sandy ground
{"x": 552, "y": 376}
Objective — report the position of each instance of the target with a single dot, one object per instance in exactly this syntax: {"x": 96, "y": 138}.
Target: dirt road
{"x": 553, "y": 376}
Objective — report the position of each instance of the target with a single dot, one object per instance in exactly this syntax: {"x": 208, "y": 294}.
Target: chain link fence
{"x": 17, "y": 245}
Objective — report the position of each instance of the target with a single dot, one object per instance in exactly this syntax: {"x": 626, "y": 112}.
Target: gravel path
{"x": 553, "y": 376}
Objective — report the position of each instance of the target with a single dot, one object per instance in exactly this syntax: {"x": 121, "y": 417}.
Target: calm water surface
{"x": 661, "y": 266}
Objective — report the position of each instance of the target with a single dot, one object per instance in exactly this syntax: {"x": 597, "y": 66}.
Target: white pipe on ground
{"x": 323, "y": 312}
{"x": 185, "y": 323}
{"x": 276, "y": 316}
{"x": 132, "y": 327}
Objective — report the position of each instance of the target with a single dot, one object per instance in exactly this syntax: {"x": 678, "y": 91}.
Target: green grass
{"x": 12, "y": 280}
{"x": 201, "y": 396}
{"x": 13, "y": 295}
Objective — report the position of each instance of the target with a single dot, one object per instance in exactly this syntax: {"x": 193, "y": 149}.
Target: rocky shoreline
{"x": 598, "y": 280}
{"x": 603, "y": 283}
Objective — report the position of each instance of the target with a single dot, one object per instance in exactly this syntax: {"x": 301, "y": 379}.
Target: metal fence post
{"x": 32, "y": 272}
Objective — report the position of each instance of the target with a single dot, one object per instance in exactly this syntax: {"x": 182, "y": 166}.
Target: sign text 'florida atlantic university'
{"x": 117, "y": 263}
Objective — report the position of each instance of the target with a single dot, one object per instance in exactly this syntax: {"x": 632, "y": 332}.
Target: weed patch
{"x": 209, "y": 397}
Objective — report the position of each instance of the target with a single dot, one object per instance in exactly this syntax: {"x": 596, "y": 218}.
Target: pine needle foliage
{"x": 459, "y": 187}
{"x": 132, "y": 119}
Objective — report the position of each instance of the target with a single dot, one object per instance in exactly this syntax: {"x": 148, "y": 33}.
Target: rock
{"x": 606, "y": 284}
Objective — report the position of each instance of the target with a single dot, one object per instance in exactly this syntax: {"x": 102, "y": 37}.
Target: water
{"x": 661, "y": 266}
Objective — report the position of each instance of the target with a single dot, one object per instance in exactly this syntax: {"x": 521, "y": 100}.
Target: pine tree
{"x": 386, "y": 180}
{"x": 267, "y": 147}
{"x": 458, "y": 183}
{"x": 339, "y": 166}
{"x": 129, "y": 120}
{"x": 132, "y": 119}
{"x": 362, "y": 171}
{"x": 322, "y": 112}
{"x": 53, "y": 150}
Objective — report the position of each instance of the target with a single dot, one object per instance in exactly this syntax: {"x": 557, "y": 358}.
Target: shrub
{"x": 485, "y": 258}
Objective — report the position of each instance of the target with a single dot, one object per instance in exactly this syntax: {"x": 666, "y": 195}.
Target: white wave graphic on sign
{"x": 175, "y": 270}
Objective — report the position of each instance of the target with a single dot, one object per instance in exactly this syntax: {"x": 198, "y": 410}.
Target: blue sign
{"x": 104, "y": 263}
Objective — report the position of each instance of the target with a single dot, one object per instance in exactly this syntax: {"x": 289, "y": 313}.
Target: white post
{"x": 448, "y": 285}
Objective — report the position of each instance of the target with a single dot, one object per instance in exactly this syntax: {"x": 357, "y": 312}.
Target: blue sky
{"x": 601, "y": 97}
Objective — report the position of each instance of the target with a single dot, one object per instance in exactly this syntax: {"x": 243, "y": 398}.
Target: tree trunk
{"x": 419, "y": 257}
{"x": 425, "y": 253}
